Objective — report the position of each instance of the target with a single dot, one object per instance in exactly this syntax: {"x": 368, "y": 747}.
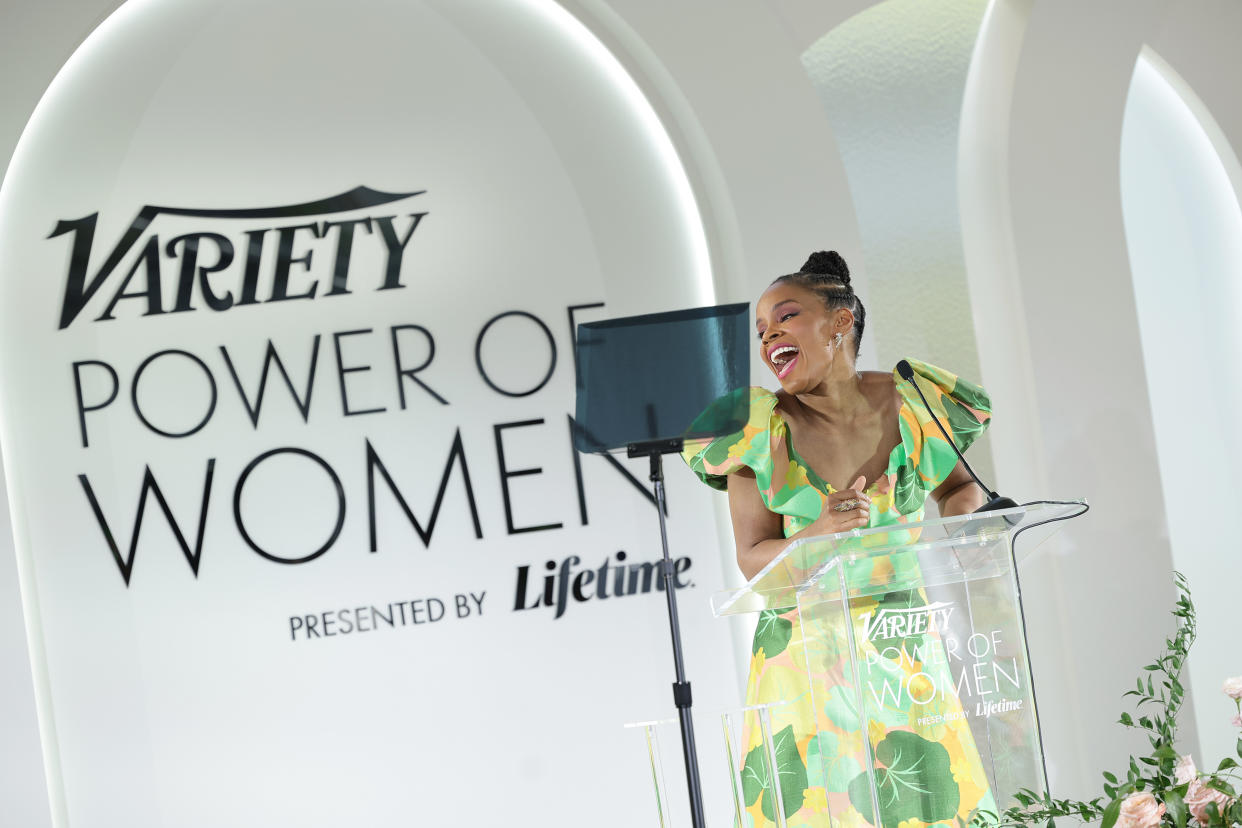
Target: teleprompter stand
{"x": 655, "y": 450}
{"x": 641, "y": 382}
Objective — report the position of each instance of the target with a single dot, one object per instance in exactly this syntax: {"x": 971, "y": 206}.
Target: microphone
{"x": 995, "y": 501}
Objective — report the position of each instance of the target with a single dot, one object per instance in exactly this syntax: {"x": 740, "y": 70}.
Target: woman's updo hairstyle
{"x": 827, "y": 274}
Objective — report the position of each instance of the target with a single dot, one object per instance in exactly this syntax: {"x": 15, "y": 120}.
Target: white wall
{"x": 891, "y": 81}
{"x": 35, "y": 40}
{"x": 1060, "y": 334}
{"x": 1198, "y": 40}
{"x": 1098, "y": 440}
{"x": 1184, "y": 229}
{"x": 1050, "y": 286}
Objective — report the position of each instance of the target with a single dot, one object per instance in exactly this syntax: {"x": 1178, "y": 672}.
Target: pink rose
{"x": 1140, "y": 810}
{"x": 1199, "y": 796}
{"x": 1233, "y": 687}
{"x": 1184, "y": 770}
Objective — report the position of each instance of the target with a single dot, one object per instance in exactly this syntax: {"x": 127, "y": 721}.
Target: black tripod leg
{"x": 681, "y": 687}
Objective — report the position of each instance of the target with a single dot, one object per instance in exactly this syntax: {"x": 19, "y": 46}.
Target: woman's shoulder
{"x": 713, "y": 455}
{"x": 880, "y": 386}
{"x": 962, "y": 401}
{"x": 933, "y": 398}
{"x": 762, "y": 397}
{"x": 741, "y": 405}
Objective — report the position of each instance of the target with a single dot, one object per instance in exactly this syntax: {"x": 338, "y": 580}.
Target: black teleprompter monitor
{"x": 644, "y": 380}
{"x": 646, "y": 384}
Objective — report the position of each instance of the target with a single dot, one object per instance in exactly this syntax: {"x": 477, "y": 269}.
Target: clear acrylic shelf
{"x": 946, "y": 550}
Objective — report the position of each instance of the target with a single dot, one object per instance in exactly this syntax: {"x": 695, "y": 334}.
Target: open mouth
{"x": 783, "y": 358}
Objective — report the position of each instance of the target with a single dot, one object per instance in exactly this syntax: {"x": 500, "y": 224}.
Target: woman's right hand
{"x": 759, "y": 532}
{"x": 844, "y": 510}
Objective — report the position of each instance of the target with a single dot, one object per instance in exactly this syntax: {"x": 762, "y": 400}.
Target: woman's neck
{"x": 839, "y": 398}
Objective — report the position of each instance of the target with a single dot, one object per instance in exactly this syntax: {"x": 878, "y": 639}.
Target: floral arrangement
{"x": 1161, "y": 789}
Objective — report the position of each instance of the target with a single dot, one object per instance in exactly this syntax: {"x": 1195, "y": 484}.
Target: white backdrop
{"x": 727, "y": 82}
{"x": 434, "y": 341}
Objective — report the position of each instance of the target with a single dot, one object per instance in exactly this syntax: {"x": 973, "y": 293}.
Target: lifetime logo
{"x": 899, "y": 623}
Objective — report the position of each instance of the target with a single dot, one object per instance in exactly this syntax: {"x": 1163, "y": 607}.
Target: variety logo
{"x": 222, "y": 271}
{"x": 898, "y": 623}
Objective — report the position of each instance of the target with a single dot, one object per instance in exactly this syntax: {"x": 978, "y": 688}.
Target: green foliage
{"x": 1158, "y": 695}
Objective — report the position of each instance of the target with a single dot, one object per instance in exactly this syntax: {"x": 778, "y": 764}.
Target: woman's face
{"x": 795, "y": 335}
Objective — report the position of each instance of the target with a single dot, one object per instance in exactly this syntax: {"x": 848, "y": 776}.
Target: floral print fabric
{"x": 928, "y": 769}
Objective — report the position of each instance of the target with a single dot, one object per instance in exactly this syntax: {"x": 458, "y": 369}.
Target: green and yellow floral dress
{"x": 932, "y": 773}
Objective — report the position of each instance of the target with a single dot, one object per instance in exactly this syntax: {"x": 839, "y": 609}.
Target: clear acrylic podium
{"x": 911, "y": 658}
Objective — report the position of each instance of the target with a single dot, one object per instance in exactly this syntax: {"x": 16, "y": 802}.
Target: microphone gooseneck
{"x": 995, "y": 501}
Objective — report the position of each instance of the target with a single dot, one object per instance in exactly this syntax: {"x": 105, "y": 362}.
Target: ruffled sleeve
{"x": 713, "y": 459}
{"x": 924, "y": 458}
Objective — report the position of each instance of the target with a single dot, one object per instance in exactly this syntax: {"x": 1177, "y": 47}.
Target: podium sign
{"x": 912, "y": 637}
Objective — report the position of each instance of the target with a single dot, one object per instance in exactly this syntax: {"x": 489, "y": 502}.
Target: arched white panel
{"x": 891, "y": 79}
{"x": 521, "y": 174}
{"x": 1184, "y": 233}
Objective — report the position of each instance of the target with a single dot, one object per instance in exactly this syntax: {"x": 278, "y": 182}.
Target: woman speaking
{"x": 837, "y": 449}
